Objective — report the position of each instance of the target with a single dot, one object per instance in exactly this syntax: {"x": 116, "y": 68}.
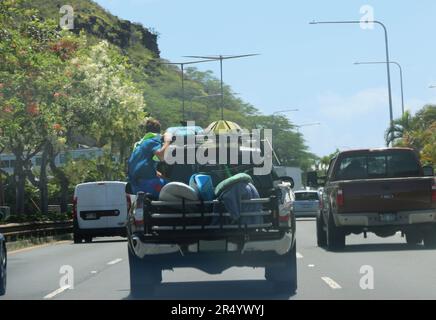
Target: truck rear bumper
{"x": 279, "y": 246}
{"x": 371, "y": 219}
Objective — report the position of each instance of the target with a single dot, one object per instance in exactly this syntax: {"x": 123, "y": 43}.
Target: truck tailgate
{"x": 386, "y": 195}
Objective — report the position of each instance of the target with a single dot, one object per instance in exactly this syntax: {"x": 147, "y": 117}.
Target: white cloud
{"x": 363, "y": 102}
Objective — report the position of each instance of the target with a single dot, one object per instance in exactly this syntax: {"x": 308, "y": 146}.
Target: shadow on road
{"x": 215, "y": 290}
{"x": 97, "y": 241}
{"x": 375, "y": 247}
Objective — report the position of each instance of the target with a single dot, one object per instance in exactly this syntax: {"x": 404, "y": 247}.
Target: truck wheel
{"x": 143, "y": 277}
{"x": 3, "y": 267}
{"x": 335, "y": 236}
{"x": 321, "y": 237}
{"x": 77, "y": 238}
{"x": 284, "y": 275}
{"x": 413, "y": 238}
{"x": 430, "y": 238}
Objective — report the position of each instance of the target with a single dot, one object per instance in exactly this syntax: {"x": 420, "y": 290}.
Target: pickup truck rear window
{"x": 374, "y": 166}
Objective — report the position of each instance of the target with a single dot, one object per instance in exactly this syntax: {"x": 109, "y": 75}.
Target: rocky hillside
{"x": 96, "y": 21}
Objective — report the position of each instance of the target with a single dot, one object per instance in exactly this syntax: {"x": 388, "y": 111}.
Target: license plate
{"x": 92, "y": 215}
{"x": 388, "y": 217}
{"x": 212, "y": 246}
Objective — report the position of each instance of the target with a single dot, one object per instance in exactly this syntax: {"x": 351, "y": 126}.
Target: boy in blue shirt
{"x": 142, "y": 164}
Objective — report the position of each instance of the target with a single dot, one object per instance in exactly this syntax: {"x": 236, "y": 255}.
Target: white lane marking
{"x": 93, "y": 272}
{"x": 56, "y": 292}
{"x": 299, "y": 255}
{"x": 114, "y": 261}
{"x": 332, "y": 284}
{"x": 311, "y": 265}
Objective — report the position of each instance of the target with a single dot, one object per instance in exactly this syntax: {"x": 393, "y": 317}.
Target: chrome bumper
{"x": 280, "y": 246}
{"x": 371, "y": 219}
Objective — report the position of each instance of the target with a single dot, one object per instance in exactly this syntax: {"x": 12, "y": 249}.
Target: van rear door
{"x": 116, "y": 199}
{"x": 91, "y": 204}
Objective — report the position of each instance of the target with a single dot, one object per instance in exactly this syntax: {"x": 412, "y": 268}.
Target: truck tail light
{"x": 433, "y": 191}
{"x": 129, "y": 202}
{"x": 75, "y": 208}
{"x": 340, "y": 198}
{"x": 284, "y": 218}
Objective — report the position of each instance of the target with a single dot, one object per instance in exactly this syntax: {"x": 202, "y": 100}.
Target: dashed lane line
{"x": 110, "y": 263}
{"x": 331, "y": 283}
{"x": 56, "y": 292}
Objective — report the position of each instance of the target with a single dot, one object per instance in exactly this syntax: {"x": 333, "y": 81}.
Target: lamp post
{"x": 387, "y": 56}
{"x": 182, "y": 68}
{"x": 307, "y": 125}
{"x": 220, "y": 58}
{"x": 401, "y": 78}
{"x": 284, "y": 111}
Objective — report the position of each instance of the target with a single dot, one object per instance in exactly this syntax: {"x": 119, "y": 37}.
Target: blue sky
{"x": 304, "y": 66}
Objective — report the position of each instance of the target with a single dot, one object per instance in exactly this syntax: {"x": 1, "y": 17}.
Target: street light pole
{"x": 401, "y": 78}
{"x": 284, "y": 111}
{"x": 388, "y": 68}
{"x": 182, "y": 69}
{"x": 221, "y": 58}
{"x": 307, "y": 125}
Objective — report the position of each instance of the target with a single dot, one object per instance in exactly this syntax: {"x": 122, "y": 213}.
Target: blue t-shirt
{"x": 141, "y": 164}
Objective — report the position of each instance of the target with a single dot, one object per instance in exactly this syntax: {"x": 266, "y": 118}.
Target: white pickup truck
{"x": 164, "y": 235}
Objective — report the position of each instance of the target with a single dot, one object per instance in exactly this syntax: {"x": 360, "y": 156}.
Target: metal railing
{"x": 14, "y": 231}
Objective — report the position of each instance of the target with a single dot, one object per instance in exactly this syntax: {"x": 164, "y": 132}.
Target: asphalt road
{"x": 101, "y": 272}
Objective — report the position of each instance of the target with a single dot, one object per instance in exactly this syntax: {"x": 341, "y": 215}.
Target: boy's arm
{"x": 167, "y": 141}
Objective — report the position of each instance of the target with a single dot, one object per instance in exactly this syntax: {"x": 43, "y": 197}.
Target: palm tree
{"x": 399, "y": 128}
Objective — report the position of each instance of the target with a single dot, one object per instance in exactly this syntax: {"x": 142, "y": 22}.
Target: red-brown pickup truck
{"x": 382, "y": 191}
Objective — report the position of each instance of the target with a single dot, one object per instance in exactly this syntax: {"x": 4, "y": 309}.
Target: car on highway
{"x": 99, "y": 209}
{"x": 307, "y": 203}
{"x": 163, "y": 235}
{"x": 383, "y": 191}
{"x": 3, "y": 265}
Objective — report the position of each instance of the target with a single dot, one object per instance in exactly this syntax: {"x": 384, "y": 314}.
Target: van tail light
{"x": 433, "y": 191}
{"x": 340, "y": 198}
{"x": 75, "y": 208}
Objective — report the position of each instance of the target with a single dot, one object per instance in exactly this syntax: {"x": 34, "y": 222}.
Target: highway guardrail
{"x": 14, "y": 231}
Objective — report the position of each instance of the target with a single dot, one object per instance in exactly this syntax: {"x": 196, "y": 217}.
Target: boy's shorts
{"x": 150, "y": 186}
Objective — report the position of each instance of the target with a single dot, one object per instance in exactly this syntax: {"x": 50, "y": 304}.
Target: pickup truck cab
{"x": 380, "y": 190}
{"x": 163, "y": 235}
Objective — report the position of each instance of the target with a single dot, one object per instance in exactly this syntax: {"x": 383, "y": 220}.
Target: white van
{"x": 99, "y": 209}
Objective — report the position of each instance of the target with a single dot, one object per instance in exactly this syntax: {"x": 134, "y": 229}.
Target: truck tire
{"x": 430, "y": 238}
{"x": 3, "y": 268}
{"x": 284, "y": 275}
{"x": 414, "y": 238}
{"x": 321, "y": 237}
{"x": 335, "y": 236}
{"x": 77, "y": 238}
{"x": 143, "y": 277}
